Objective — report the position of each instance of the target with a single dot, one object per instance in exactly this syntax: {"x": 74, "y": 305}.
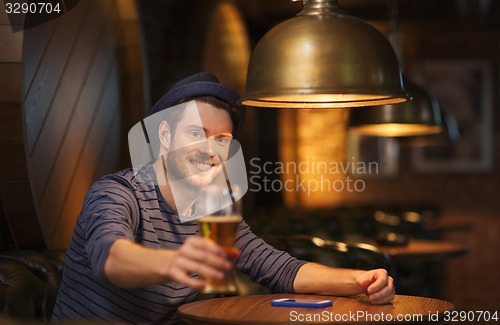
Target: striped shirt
{"x": 125, "y": 205}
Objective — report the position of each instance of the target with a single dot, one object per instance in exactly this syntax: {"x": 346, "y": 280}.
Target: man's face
{"x": 200, "y": 143}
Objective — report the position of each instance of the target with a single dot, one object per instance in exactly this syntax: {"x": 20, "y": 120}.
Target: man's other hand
{"x": 377, "y": 285}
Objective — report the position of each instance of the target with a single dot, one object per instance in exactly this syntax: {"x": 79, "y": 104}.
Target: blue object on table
{"x": 289, "y": 302}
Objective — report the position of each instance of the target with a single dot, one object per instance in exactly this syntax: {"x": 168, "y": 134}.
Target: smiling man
{"x": 192, "y": 150}
{"x": 132, "y": 259}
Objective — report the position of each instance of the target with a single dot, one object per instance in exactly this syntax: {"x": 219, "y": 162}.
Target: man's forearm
{"x": 319, "y": 279}
{"x": 131, "y": 265}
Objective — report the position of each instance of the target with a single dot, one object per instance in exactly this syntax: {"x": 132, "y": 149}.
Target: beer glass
{"x": 220, "y": 214}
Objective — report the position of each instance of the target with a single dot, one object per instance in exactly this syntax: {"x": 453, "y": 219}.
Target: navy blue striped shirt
{"x": 125, "y": 205}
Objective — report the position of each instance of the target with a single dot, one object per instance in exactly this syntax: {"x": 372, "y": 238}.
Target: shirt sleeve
{"x": 110, "y": 212}
{"x": 263, "y": 263}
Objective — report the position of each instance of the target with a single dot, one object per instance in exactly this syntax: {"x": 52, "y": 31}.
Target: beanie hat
{"x": 202, "y": 84}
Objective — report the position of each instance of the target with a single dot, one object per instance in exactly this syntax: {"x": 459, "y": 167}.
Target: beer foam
{"x": 220, "y": 219}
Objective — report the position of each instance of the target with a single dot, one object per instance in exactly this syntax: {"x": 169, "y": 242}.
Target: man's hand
{"x": 377, "y": 285}
{"x": 320, "y": 279}
{"x": 201, "y": 256}
{"x": 130, "y": 265}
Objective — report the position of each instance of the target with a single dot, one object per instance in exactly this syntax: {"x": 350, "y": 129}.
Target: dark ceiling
{"x": 478, "y": 14}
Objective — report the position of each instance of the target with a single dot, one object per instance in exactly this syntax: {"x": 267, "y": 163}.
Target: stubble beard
{"x": 181, "y": 169}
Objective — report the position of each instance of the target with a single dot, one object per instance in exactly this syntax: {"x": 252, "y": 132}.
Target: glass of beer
{"x": 221, "y": 214}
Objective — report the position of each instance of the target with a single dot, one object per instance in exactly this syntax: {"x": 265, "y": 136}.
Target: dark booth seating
{"x": 29, "y": 282}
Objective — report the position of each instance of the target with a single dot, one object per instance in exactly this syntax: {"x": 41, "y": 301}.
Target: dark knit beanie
{"x": 202, "y": 84}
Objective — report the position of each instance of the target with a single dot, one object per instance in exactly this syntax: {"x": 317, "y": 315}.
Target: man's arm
{"x": 319, "y": 279}
{"x": 130, "y": 265}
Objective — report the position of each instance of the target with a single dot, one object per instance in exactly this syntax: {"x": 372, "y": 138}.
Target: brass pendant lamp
{"x": 323, "y": 58}
{"x": 419, "y": 116}
{"x": 448, "y": 136}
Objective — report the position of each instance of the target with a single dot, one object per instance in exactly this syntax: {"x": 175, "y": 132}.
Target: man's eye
{"x": 223, "y": 140}
{"x": 195, "y": 134}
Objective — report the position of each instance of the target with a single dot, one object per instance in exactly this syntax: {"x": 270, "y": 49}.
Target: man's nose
{"x": 209, "y": 147}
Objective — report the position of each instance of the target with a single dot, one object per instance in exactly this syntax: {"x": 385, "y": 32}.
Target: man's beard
{"x": 185, "y": 170}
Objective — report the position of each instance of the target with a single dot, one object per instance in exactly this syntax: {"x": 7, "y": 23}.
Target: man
{"x": 131, "y": 258}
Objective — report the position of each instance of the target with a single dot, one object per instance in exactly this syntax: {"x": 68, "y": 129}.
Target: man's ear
{"x": 164, "y": 135}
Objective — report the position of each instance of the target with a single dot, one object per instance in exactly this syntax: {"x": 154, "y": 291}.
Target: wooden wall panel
{"x": 130, "y": 50}
{"x": 11, "y": 122}
{"x": 13, "y": 162}
{"x": 25, "y": 229}
{"x": 60, "y": 121}
{"x": 39, "y": 96}
{"x": 103, "y": 133}
{"x": 17, "y": 197}
{"x": 10, "y": 44}
{"x": 35, "y": 44}
{"x": 67, "y": 162}
{"x": 18, "y": 224}
{"x": 113, "y": 137}
{"x": 4, "y": 18}
{"x": 61, "y": 110}
{"x": 74, "y": 100}
{"x": 128, "y": 34}
{"x": 10, "y": 82}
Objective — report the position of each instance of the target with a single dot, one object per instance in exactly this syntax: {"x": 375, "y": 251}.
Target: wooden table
{"x": 424, "y": 250}
{"x": 257, "y": 309}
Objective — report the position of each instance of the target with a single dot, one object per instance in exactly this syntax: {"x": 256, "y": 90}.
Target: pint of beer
{"x": 221, "y": 230}
{"x": 220, "y": 224}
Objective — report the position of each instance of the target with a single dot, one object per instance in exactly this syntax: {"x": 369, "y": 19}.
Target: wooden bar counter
{"x": 257, "y": 309}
